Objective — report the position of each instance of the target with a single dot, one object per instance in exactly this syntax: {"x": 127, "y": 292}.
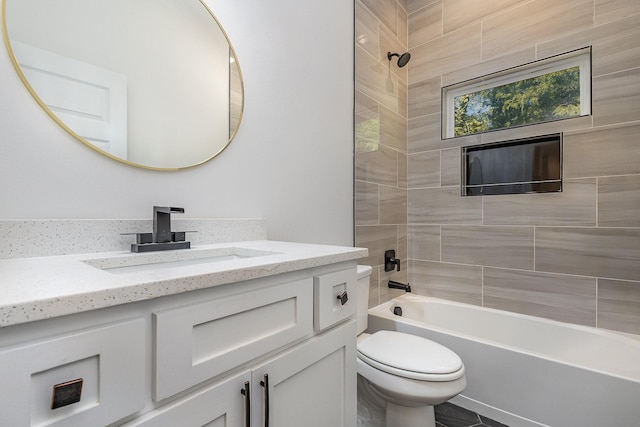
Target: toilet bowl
{"x": 401, "y": 376}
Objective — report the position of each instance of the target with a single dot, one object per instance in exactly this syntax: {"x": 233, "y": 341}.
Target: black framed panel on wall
{"x": 529, "y": 165}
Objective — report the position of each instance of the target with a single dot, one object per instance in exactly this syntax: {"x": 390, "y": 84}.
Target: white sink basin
{"x": 149, "y": 261}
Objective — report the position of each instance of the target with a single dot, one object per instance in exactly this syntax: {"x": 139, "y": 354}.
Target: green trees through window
{"x": 552, "y": 96}
{"x": 555, "y": 88}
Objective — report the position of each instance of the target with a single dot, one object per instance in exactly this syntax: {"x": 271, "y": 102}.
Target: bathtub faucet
{"x": 397, "y": 285}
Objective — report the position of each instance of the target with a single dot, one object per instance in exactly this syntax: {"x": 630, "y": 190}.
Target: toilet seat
{"x": 410, "y": 356}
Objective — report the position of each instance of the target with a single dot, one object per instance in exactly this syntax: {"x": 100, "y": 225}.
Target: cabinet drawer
{"x": 201, "y": 341}
{"x": 328, "y": 288}
{"x": 110, "y": 361}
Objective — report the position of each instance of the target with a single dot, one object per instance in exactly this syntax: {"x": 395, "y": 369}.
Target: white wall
{"x": 290, "y": 163}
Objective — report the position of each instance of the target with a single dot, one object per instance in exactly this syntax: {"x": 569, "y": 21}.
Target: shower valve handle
{"x": 390, "y": 261}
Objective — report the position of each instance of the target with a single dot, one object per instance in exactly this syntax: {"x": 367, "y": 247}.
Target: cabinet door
{"x": 223, "y": 404}
{"x": 311, "y": 385}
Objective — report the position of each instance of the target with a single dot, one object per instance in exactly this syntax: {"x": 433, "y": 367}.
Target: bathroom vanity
{"x": 256, "y": 333}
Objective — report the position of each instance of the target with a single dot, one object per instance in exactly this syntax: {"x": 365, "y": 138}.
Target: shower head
{"x": 402, "y": 59}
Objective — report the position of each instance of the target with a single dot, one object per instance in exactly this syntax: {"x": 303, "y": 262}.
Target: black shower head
{"x": 402, "y": 59}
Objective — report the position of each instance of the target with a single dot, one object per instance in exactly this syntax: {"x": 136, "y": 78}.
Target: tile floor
{"x": 450, "y": 415}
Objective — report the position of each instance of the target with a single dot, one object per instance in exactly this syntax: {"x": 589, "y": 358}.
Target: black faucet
{"x": 397, "y": 285}
{"x": 162, "y": 223}
{"x": 162, "y": 238}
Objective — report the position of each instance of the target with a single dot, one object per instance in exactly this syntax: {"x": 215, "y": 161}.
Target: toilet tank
{"x": 364, "y": 277}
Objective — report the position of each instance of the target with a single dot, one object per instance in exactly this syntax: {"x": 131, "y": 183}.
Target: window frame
{"x": 577, "y": 58}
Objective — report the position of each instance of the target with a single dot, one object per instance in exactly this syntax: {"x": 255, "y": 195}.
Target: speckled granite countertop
{"x": 44, "y": 287}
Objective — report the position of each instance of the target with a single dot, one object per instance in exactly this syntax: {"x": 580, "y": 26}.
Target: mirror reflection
{"x": 153, "y": 83}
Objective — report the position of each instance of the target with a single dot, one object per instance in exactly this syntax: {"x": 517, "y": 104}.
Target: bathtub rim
{"x": 385, "y": 310}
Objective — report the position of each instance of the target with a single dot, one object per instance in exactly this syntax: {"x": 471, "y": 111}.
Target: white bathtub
{"x": 527, "y": 371}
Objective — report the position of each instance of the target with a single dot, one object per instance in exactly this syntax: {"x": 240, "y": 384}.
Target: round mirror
{"x": 152, "y": 83}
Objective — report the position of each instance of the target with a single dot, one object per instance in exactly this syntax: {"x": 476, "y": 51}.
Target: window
{"x": 556, "y": 88}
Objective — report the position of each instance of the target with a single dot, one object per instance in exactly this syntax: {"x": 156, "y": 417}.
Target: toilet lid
{"x": 405, "y": 352}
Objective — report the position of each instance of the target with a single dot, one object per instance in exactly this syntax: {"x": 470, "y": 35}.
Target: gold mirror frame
{"x": 235, "y": 81}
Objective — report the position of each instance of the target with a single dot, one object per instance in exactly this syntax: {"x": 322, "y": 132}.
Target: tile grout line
{"x": 596, "y": 227}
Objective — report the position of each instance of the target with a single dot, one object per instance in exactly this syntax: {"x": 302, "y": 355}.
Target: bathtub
{"x": 527, "y": 371}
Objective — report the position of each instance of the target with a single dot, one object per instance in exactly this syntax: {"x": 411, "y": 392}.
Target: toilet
{"x": 401, "y": 376}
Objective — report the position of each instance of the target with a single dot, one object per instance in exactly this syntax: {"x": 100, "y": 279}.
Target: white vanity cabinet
{"x": 272, "y": 351}
{"x": 312, "y": 383}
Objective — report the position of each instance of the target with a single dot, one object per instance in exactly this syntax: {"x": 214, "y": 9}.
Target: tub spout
{"x": 397, "y": 285}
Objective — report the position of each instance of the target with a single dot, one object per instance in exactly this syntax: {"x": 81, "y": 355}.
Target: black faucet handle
{"x": 390, "y": 261}
{"x": 167, "y": 209}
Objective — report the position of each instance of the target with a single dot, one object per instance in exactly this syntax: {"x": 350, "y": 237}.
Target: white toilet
{"x": 401, "y": 376}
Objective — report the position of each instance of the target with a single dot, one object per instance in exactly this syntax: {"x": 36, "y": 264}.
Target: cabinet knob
{"x": 343, "y": 297}
{"x": 66, "y": 393}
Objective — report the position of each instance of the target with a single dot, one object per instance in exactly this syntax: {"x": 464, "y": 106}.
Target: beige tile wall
{"x": 381, "y": 138}
{"x": 572, "y": 256}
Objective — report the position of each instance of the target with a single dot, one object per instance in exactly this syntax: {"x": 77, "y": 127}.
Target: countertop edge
{"x": 296, "y": 257}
